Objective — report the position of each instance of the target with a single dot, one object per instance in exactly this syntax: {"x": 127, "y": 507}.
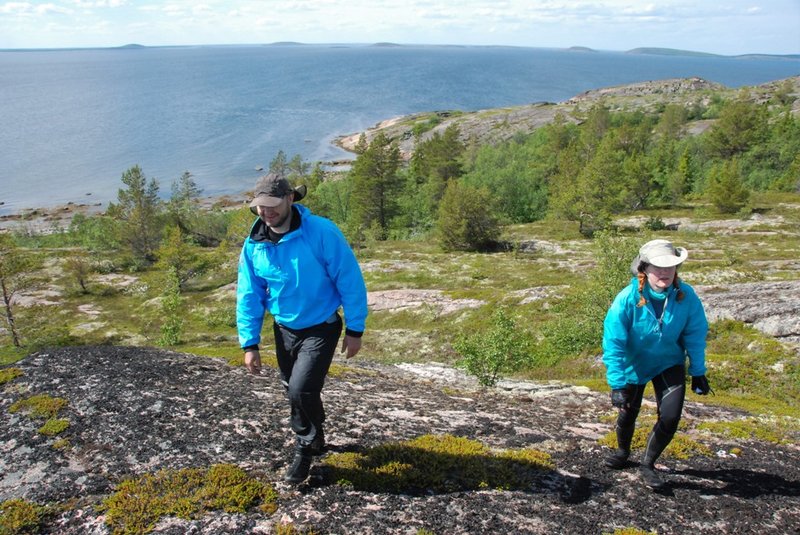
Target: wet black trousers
{"x": 670, "y": 391}
{"x": 304, "y": 356}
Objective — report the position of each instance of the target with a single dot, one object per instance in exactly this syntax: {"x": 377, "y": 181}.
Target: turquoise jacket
{"x": 301, "y": 280}
{"x": 637, "y": 346}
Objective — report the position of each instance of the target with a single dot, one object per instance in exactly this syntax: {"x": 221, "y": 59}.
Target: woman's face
{"x": 660, "y": 279}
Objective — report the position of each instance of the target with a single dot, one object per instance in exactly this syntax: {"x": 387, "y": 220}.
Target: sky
{"x": 728, "y": 27}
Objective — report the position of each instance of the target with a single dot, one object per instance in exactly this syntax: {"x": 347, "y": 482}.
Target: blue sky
{"x": 721, "y": 26}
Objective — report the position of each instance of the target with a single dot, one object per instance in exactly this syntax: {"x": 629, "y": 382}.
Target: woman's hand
{"x": 700, "y": 385}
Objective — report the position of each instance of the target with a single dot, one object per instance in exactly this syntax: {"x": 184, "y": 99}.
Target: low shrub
{"x": 139, "y": 503}
{"x": 437, "y": 463}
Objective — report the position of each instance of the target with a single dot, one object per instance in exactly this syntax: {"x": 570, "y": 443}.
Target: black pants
{"x": 304, "y": 356}
{"x": 670, "y": 390}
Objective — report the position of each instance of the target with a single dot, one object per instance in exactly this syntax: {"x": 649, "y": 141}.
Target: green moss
{"x": 231, "y": 353}
{"x": 9, "y": 374}
{"x": 139, "y": 503}
{"x": 61, "y": 444}
{"x": 10, "y": 354}
{"x": 39, "y": 406}
{"x": 439, "y": 463}
{"x": 19, "y": 516}
{"x": 776, "y": 430}
{"x": 54, "y": 426}
{"x": 631, "y": 531}
{"x": 291, "y": 529}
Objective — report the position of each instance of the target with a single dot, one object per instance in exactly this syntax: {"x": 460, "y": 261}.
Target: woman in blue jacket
{"x": 652, "y": 326}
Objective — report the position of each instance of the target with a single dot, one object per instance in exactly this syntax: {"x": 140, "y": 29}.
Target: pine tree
{"x": 466, "y": 218}
{"x": 139, "y": 211}
{"x": 376, "y": 185}
{"x": 726, "y": 189}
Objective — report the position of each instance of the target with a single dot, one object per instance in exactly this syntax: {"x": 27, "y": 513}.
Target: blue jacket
{"x": 301, "y": 280}
{"x": 637, "y": 346}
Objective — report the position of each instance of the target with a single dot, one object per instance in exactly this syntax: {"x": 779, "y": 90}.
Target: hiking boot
{"x": 301, "y": 465}
{"x": 317, "y": 446}
{"x": 651, "y": 477}
{"x": 618, "y": 459}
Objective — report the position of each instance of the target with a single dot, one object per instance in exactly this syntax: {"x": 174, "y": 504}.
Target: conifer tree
{"x": 139, "y": 211}
{"x": 376, "y": 184}
{"x": 466, "y": 218}
{"x": 726, "y": 189}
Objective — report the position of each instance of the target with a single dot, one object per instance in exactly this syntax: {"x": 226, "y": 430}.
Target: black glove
{"x": 700, "y": 385}
{"x": 619, "y": 397}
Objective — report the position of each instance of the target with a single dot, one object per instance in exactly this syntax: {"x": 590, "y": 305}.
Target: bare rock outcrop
{"x": 138, "y": 410}
{"x": 771, "y": 307}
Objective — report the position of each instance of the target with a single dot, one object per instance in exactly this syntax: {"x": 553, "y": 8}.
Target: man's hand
{"x": 619, "y": 397}
{"x": 350, "y": 346}
{"x": 252, "y": 361}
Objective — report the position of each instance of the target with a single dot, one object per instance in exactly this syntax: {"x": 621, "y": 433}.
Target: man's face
{"x": 276, "y": 216}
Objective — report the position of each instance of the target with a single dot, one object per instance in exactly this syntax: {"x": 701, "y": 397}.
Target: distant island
{"x": 670, "y": 52}
{"x": 656, "y": 51}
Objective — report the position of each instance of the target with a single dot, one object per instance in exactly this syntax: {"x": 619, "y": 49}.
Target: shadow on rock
{"x": 741, "y": 483}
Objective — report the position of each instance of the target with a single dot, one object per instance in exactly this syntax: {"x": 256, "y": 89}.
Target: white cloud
{"x": 726, "y": 26}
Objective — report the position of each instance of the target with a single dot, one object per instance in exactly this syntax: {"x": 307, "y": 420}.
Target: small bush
{"x": 501, "y": 349}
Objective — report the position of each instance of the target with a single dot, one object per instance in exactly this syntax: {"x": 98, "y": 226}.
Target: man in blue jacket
{"x": 652, "y": 326}
{"x": 299, "y": 268}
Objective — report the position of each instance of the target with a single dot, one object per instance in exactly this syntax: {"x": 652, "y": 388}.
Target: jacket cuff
{"x": 354, "y": 334}
{"x": 250, "y": 348}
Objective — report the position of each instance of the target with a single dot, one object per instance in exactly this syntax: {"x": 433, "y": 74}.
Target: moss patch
{"x": 441, "y": 464}
{"x": 775, "y": 430}
{"x": 138, "y": 504}
{"x": 54, "y": 426}
{"x": 39, "y": 406}
{"x": 9, "y": 374}
{"x": 19, "y": 516}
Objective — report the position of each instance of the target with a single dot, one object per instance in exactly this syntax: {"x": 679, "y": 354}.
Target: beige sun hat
{"x": 659, "y": 253}
{"x": 271, "y": 189}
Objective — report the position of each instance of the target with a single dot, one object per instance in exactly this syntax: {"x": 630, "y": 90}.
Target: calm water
{"x": 71, "y": 122}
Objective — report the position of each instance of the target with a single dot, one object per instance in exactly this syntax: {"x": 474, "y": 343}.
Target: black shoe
{"x": 317, "y": 446}
{"x": 651, "y": 477}
{"x": 618, "y": 459}
{"x": 301, "y": 465}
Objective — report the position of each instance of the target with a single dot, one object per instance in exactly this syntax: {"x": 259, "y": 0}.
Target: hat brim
{"x": 662, "y": 261}
{"x": 272, "y": 202}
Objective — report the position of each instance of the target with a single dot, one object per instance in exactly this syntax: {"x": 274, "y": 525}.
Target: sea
{"x": 73, "y": 121}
